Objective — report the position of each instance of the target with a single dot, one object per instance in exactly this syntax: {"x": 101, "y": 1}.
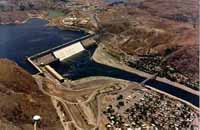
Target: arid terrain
{"x": 83, "y": 105}
{"x": 160, "y": 30}
{"x": 17, "y": 11}
{"x": 21, "y": 100}
{"x": 154, "y": 37}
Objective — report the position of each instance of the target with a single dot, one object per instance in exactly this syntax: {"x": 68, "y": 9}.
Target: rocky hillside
{"x": 156, "y": 28}
{"x": 20, "y": 99}
{"x": 17, "y": 11}
{"x": 13, "y": 5}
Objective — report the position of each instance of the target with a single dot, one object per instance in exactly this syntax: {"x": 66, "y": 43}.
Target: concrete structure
{"x": 36, "y": 119}
{"x": 41, "y": 60}
{"x": 33, "y": 63}
{"x": 69, "y": 21}
{"x": 68, "y": 51}
{"x": 45, "y": 59}
{"x": 54, "y": 73}
{"x": 88, "y": 42}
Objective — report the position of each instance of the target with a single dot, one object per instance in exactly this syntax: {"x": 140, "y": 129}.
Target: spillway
{"x": 68, "y": 51}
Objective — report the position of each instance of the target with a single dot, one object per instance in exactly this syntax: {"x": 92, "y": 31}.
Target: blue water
{"x": 80, "y": 66}
{"x": 20, "y": 41}
{"x": 115, "y": 1}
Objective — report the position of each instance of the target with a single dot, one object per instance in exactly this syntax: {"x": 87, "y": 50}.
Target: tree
{"x": 168, "y": 51}
{"x": 120, "y": 97}
{"x": 121, "y": 103}
{"x": 22, "y": 7}
{"x": 31, "y": 5}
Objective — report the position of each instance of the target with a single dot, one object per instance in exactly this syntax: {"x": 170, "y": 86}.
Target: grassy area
{"x": 55, "y": 13}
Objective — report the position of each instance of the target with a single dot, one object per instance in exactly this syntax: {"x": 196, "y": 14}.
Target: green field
{"x": 55, "y": 13}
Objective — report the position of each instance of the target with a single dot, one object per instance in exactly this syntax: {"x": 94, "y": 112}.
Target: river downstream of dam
{"x": 81, "y": 65}
{"x": 17, "y": 42}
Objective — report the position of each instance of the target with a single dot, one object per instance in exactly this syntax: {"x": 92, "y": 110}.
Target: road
{"x": 175, "y": 89}
{"x": 75, "y": 107}
{"x": 40, "y": 85}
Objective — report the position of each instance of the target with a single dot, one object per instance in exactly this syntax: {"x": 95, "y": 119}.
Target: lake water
{"x": 114, "y": 1}
{"x": 20, "y": 41}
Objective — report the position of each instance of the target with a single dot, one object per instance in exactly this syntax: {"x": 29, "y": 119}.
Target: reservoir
{"x": 17, "y": 42}
{"x": 111, "y": 2}
{"x": 20, "y": 41}
{"x": 115, "y": 1}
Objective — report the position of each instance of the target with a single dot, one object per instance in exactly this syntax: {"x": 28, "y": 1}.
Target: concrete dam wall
{"x": 68, "y": 51}
{"x": 60, "y": 52}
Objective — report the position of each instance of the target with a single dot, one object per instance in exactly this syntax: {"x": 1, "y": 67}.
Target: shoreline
{"x": 86, "y": 79}
{"x": 173, "y": 97}
{"x": 99, "y": 56}
{"x": 24, "y": 21}
{"x": 29, "y": 16}
{"x": 70, "y": 28}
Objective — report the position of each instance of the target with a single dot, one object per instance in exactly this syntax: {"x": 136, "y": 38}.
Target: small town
{"x": 153, "y": 111}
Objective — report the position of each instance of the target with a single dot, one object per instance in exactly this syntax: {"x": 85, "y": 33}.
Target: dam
{"x": 60, "y": 53}
{"x": 78, "y": 64}
{"x": 69, "y": 51}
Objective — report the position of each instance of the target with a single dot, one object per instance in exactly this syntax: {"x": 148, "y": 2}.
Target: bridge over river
{"x": 80, "y": 65}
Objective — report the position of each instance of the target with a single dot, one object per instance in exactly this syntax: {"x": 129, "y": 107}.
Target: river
{"x": 80, "y": 66}
{"x": 20, "y": 41}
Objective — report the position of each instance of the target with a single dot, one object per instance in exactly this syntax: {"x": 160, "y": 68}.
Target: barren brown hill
{"x": 17, "y": 79}
{"x": 187, "y": 62}
{"x": 157, "y": 27}
{"x": 20, "y": 99}
{"x": 184, "y": 10}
